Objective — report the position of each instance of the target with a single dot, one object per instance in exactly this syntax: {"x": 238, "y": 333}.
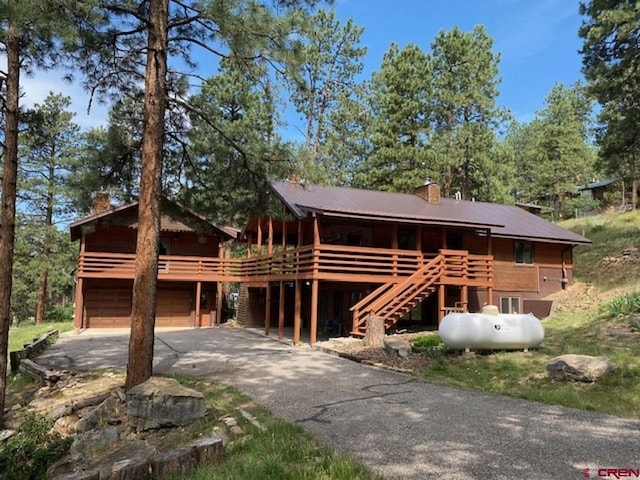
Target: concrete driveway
{"x": 399, "y": 426}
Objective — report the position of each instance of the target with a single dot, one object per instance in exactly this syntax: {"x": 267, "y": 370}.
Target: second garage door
{"x": 111, "y": 307}
{"x": 173, "y": 308}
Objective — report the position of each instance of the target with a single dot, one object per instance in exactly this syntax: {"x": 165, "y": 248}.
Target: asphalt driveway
{"x": 399, "y": 426}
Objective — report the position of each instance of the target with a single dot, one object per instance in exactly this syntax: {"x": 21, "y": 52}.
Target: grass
{"x": 278, "y": 450}
{"x": 26, "y": 333}
{"x": 597, "y": 319}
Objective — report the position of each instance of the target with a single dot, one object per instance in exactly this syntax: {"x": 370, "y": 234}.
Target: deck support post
{"x": 490, "y": 252}
{"x": 281, "y": 313}
{"x": 296, "y": 314}
{"x": 270, "y": 239}
{"x": 267, "y": 310}
{"x": 196, "y": 320}
{"x": 259, "y": 244}
{"x": 78, "y": 317}
{"x": 441, "y": 302}
{"x": 78, "y": 313}
{"x": 313, "y": 334}
{"x": 219, "y": 303}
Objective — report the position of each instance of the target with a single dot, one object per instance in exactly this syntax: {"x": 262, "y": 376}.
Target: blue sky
{"x": 537, "y": 39}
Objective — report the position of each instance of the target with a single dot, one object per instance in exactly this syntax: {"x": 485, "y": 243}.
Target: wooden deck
{"x": 321, "y": 262}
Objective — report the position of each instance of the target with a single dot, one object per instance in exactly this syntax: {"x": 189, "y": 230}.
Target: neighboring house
{"x": 189, "y": 276}
{"x": 341, "y": 254}
{"x": 597, "y": 190}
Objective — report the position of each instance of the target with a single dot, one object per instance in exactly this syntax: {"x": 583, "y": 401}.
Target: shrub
{"x": 28, "y": 454}
{"x": 60, "y": 314}
{"x": 626, "y": 304}
{"x": 429, "y": 345}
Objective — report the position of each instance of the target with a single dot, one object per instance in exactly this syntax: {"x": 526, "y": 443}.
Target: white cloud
{"x": 36, "y": 89}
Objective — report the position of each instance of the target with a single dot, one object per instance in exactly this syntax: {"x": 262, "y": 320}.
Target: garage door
{"x": 108, "y": 307}
{"x": 173, "y": 308}
{"x": 111, "y": 307}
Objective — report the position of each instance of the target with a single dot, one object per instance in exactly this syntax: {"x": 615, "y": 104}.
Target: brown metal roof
{"x": 503, "y": 220}
{"x": 174, "y": 218}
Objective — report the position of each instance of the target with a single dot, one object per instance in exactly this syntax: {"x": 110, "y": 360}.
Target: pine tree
{"x": 465, "y": 115}
{"x": 400, "y": 122}
{"x": 611, "y": 62}
{"x": 48, "y": 148}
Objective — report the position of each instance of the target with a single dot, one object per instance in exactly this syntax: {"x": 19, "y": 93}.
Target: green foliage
{"x": 232, "y": 170}
{"x": 28, "y": 265}
{"x": 400, "y": 116}
{"x": 29, "y": 453}
{"x": 625, "y": 304}
{"x": 465, "y": 114}
{"x": 581, "y": 207}
{"x": 611, "y": 61}
{"x": 60, "y": 314}
{"x": 430, "y": 345}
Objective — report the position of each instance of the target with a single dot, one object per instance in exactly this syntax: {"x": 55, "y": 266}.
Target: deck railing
{"x": 324, "y": 262}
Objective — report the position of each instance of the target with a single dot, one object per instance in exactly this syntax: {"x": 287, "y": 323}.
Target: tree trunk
{"x": 8, "y": 207}
{"x": 143, "y": 309}
{"x": 41, "y": 302}
{"x": 634, "y": 193}
{"x": 375, "y": 331}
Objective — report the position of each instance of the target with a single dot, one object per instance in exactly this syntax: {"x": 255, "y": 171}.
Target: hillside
{"x": 612, "y": 261}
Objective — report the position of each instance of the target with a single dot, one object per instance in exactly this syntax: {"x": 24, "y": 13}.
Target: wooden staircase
{"x": 392, "y": 301}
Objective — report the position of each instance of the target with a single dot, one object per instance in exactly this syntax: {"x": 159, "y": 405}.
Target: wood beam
{"x": 259, "y": 237}
{"x": 296, "y": 315}
{"x": 313, "y": 334}
{"x": 196, "y": 321}
{"x": 316, "y": 232}
{"x": 267, "y": 310}
{"x": 78, "y": 314}
{"x": 441, "y": 302}
{"x": 270, "y": 239}
{"x": 281, "y": 313}
{"x": 219, "y": 304}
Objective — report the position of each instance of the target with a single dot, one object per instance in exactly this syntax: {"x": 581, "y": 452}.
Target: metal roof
{"x": 503, "y": 220}
{"x": 174, "y": 218}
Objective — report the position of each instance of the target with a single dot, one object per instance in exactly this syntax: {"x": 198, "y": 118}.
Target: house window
{"x": 523, "y": 253}
{"x": 510, "y": 305}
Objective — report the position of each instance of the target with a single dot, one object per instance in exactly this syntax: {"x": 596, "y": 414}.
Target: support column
{"x": 259, "y": 245}
{"x": 196, "y": 321}
{"x": 219, "y": 303}
{"x": 490, "y": 252}
{"x": 441, "y": 302}
{"x": 296, "y": 315}
{"x": 313, "y": 334}
{"x": 267, "y": 310}
{"x": 270, "y": 239}
{"x": 78, "y": 313}
{"x": 281, "y": 313}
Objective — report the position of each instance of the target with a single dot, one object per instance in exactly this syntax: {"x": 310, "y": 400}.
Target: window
{"x": 523, "y": 253}
{"x": 510, "y": 305}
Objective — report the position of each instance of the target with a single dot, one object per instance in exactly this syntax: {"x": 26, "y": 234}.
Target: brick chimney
{"x": 101, "y": 203}
{"x": 430, "y": 192}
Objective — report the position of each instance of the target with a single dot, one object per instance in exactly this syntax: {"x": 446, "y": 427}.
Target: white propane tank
{"x": 491, "y": 331}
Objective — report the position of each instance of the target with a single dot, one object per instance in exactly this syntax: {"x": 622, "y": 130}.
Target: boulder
{"x": 98, "y": 416}
{"x": 397, "y": 347}
{"x": 163, "y": 402}
{"x": 579, "y": 368}
{"x": 87, "y": 444}
{"x": 177, "y": 463}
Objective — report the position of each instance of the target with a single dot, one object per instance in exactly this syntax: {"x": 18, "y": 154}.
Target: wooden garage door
{"x": 107, "y": 307}
{"x": 173, "y": 308}
{"x": 111, "y": 307}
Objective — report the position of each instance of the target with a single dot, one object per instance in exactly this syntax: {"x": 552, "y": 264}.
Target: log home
{"x": 190, "y": 267}
{"x": 340, "y": 254}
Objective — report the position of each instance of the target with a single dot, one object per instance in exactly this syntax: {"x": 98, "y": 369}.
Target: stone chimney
{"x": 430, "y": 192}
{"x": 101, "y": 203}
